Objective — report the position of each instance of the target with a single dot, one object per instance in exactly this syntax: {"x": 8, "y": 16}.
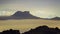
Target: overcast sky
{"x": 40, "y": 8}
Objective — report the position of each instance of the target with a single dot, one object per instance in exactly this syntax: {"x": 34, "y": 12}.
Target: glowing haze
{"x": 39, "y": 8}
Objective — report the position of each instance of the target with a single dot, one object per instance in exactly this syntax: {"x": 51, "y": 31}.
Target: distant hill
{"x": 55, "y": 18}
{"x": 20, "y": 15}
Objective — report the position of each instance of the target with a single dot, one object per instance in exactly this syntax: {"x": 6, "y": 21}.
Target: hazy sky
{"x": 40, "y": 8}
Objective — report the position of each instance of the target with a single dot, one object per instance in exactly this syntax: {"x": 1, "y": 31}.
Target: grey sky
{"x": 50, "y": 8}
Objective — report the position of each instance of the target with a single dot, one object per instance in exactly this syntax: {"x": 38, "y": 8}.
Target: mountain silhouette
{"x": 24, "y": 15}
{"x": 20, "y": 15}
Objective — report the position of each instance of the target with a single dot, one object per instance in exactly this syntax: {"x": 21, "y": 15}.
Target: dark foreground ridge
{"x": 39, "y": 30}
{"x": 20, "y": 15}
{"x": 10, "y": 32}
{"x": 43, "y": 30}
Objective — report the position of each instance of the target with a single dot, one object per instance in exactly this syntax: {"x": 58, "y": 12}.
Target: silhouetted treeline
{"x": 38, "y": 30}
